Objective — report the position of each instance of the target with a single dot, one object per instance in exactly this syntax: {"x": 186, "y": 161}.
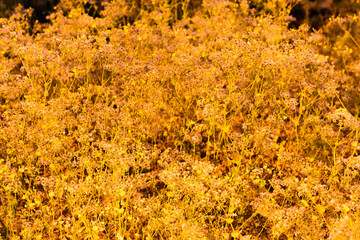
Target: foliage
{"x": 179, "y": 120}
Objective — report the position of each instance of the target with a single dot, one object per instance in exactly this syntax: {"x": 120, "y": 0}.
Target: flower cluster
{"x": 178, "y": 120}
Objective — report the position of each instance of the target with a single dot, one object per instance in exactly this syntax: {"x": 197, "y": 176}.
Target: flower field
{"x": 180, "y": 119}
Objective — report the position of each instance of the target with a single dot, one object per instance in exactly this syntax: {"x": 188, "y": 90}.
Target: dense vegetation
{"x": 181, "y": 119}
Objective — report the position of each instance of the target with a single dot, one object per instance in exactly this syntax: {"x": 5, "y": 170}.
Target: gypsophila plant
{"x": 182, "y": 119}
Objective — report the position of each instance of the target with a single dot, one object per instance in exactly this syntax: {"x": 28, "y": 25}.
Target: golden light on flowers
{"x": 180, "y": 120}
